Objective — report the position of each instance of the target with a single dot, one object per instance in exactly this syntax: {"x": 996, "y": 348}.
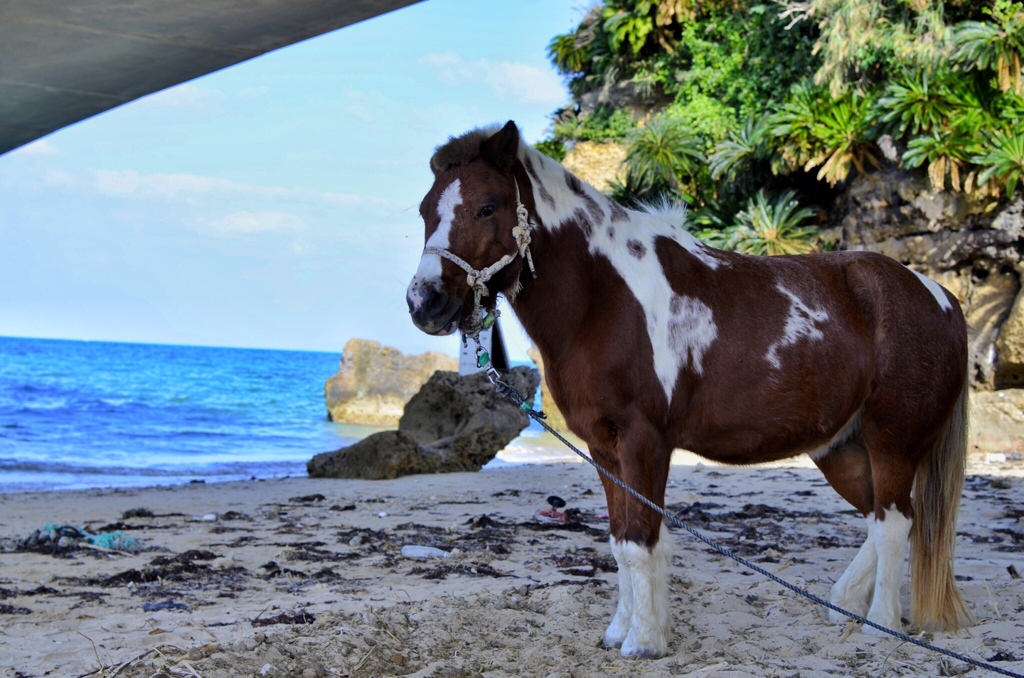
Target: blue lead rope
{"x": 509, "y": 392}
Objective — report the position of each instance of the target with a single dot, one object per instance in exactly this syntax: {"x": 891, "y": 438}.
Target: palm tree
{"x": 1000, "y": 45}
{"x": 845, "y": 135}
{"x": 773, "y": 227}
{"x": 661, "y": 155}
{"x": 793, "y": 125}
{"x": 740, "y": 150}
{"x": 567, "y": 54}
{"x": 1003, "y": 159}
{"x": 916, "y": 103}
{"x": 946, "y": 153}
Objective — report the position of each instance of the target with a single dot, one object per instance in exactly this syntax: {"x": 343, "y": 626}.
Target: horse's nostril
{"x": 435, "y": 302}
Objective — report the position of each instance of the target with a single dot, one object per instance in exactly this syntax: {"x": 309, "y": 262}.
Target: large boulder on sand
{"x": 997, "y": 421}
{"x": 453, "y": 424}
{"x": 374, "y": 382}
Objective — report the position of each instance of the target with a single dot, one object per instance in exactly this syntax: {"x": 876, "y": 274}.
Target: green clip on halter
{"x": 479, "y": 320}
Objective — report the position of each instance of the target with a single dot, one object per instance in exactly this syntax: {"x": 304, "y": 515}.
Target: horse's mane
{"x": 673, "y": 213}
{"x": 462, "y": 149}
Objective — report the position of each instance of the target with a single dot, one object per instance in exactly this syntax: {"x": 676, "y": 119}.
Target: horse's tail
{"x": 937, "y": 603}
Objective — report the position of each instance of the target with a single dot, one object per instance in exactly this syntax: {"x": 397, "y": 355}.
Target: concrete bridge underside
{"x": 62, "y": 61}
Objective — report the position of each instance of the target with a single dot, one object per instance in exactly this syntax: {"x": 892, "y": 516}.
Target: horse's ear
{"x": 502, "y": 148}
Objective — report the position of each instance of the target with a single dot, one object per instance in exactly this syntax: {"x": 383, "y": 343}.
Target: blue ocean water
{"x": 77, "y": 414}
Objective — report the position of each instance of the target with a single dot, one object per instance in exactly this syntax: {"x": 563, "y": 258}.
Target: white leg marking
{"x": 853, "y": 590}
{"x": 619, "y": 628}
{"x": 890, "y": 537}
{"x": 936, "y": 289}
{"x": 648, "y": 573}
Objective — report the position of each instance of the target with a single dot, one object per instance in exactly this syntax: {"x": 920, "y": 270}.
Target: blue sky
{"x": 272, "y": 204}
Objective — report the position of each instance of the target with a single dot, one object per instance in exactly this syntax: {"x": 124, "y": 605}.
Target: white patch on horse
{"x": 691, "y": 330}
{"x": 890, "y": 537}
{"x": 648, "y": 594}
{"x": 936, "y": 289}
{"x": 802, "y": 322}
{"x": 854, "y": 589}
{"x": 430, "y": 264}
{"x": 849, "y": 430}
{"x": 632, "y": 254}
{"x": 675, "y": 217}
{"x": 561, "y": 202}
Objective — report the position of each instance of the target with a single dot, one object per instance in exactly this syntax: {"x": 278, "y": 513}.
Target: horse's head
{"x": 470, "y": 214}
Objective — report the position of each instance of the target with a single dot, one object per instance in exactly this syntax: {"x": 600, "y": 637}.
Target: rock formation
{"x": 597, "y": 163}
{"x": 374, "y": 382}
{"x": 452, "y": 424}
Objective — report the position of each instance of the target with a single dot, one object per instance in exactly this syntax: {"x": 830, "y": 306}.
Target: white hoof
{"x": 857, "y": 601}
{"x": 617, "y": 631}
{"x": 649, "y": 645}
{"x": 889, "y": 621}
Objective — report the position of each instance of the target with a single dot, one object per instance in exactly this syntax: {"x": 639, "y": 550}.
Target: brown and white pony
{"x": 652, "y": 341}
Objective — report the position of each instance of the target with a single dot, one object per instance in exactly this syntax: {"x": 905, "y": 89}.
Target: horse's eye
{"x": 485, "y": 211}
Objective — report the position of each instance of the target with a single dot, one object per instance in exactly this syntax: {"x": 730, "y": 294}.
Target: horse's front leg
{"x": 638, "y": 542}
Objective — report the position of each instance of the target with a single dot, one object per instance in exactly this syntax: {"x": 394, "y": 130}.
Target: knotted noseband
{"x": 477, "y": 280}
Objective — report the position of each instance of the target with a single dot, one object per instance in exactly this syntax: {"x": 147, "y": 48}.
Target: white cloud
{"x": 174, "y": 185}
{"x": 187, "y": 95}
{"x": 299, "y": 249}
{"x": 256, "y": 222}
{"x": 188, "y": 187}
{"x": 40, "y": 147}
{"x": 360, "y": 112}
{"x": 508, "y": 80}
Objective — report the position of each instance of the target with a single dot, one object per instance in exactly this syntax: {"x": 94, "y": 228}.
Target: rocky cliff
{"x": 374, "y": 382}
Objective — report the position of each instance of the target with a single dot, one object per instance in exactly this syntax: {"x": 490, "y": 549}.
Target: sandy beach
{"x": 300, "y": 577}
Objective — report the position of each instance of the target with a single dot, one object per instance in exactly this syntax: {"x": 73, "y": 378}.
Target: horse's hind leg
{"x": 639, "y": 544}
{"x": 848, "y": 470}
{"x": 893, "y": 479}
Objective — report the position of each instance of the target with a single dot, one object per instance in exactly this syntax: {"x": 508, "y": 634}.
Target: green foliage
{"x": 553, "y": 148}
{"x": 661, "y": 157}
{"x": 1003, "y": 159}
{"x": 567, "y": 54}
{"x": 834, "y": 135}
{"x": 793, "y": 127}
{"x": 604, "y": 124}
{"x": 767, "y": 227}
{"x": 998, "y": 46}
{"x": 757, "y": 99}
{"x": 915, "y": 103}
{"x": 742, "y": 149}
{"x": 628, "y": 24}
{"x": 946, "y": 155}
{"x": 845, "y": 137}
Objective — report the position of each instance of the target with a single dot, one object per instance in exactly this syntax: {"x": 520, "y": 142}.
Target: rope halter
{"x": 477, "y": 280}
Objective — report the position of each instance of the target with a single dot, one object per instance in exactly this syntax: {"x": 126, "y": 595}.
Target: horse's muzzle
{"x": 434, "y": 311}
